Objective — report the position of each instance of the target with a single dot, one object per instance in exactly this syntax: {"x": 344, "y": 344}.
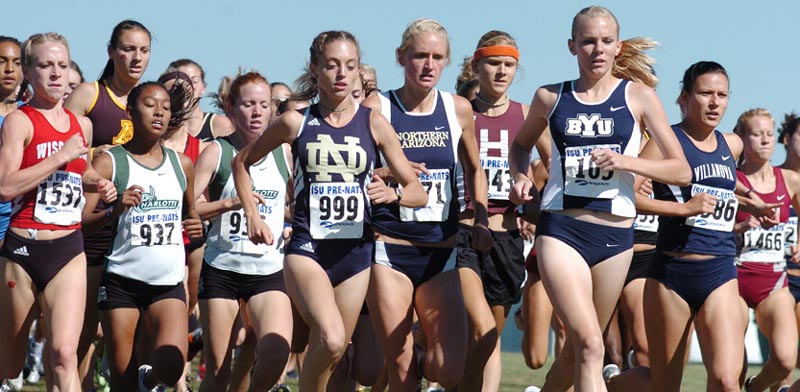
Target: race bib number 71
{"x": 438, "y": 187}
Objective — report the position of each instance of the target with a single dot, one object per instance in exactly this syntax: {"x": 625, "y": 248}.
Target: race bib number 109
{"x": 583, "y": 178}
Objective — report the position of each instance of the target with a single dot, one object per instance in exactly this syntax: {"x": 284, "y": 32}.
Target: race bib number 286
{"x": 723, "y": 217}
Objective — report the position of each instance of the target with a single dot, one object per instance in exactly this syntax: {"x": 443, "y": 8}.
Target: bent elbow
{"x": 419, "y": 200}
{"x": 7, "y": 194}
{"x": 685, "y": 176}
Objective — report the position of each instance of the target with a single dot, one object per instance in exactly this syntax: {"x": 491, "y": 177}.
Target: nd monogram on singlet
{"x": 332, "y": 167}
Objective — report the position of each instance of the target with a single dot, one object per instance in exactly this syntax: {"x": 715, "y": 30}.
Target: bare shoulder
{"x": 18, "y": 122}
{"x": 546, "y": 95}
{"x": 544, "y": 100}
{"x": 642, "y": 95}
{"x": 222, "y": 125}
{"x": 462, "y": 105}
{"x": 373, "y": 102}
{"x": 792, "y": 178}
{"x": 103, "y": 166}
{"x": 210, "y": 148}
{"x": 81, "y": 99}
{"x": 734, "y": 142}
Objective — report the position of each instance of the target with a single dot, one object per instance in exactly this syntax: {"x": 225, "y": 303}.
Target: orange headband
{"x": 497, "y": 50}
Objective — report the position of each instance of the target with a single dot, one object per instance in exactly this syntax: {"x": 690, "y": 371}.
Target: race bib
{"x": 233, "y": 232}
{"x": 59, "y": 199}
{"x": 337, "y": 210}
{"x": 583, "y": 178}
{"x": 437, "y": 185}
{"x": 724, "y": 213}
{"x": 155, "y": 228}
{"x": 790, "y": 235}
{"x": 764, "y": 245}
{"x": 498, "y": 177}
{"x": 647, "y": 223}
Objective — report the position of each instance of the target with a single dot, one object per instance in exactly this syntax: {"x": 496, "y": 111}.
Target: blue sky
{"x": 755, "y": 41}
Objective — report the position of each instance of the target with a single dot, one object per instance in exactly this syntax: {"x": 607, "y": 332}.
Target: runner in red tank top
{"x": 760, "y": 261}
{"x": 42, "y": 169}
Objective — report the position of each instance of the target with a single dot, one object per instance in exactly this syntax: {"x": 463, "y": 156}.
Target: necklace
{"x": 489, "y": 104}
{"x": 336, "y": 110}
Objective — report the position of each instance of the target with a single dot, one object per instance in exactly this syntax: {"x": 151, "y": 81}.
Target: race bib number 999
{"x": 337, "y": 210}
{"x": 439, "y": 190}
{"x": 583, "y": 178}
{"x": 722, "y": 219}
{"x": 59, "y": 199}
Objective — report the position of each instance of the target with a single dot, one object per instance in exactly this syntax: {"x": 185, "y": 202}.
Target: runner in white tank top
{"x": 235, "y": 268}
{"x": 145, "y": 267}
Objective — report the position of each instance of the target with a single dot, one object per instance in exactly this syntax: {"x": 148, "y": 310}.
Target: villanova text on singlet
{"x": 494, "y": 135}
{"x": 431, "y": 138}
{"x": 714, "y": 173}
{"x": 760, "y": 244}
{"x": 228, "y": 246}
{"x": 332, "y": 168}
{"x": 577, "y": 129}
{"x": 57, "y": 202}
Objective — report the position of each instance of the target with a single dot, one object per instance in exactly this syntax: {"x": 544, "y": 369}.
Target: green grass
{"x": 517, "y": 376}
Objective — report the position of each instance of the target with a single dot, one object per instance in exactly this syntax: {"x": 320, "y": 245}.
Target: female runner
{"x": 761, "y": 268}
{"x": 42, "y": 162}
{"x": 334, "y": 144}
{"x": 692, "y": 278}
{"x": 11, "y": 68}
{"x": 491, "y": 282}
{"x": 584, "y": 236}
{"x": 143, "y": 277}
{"x": 416, "y": 248}
{"x": 235, "y": 269}
{"x": 104, "y": 102}
{"x": 791, "y": 139}
{"x": 204, "y": 126}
